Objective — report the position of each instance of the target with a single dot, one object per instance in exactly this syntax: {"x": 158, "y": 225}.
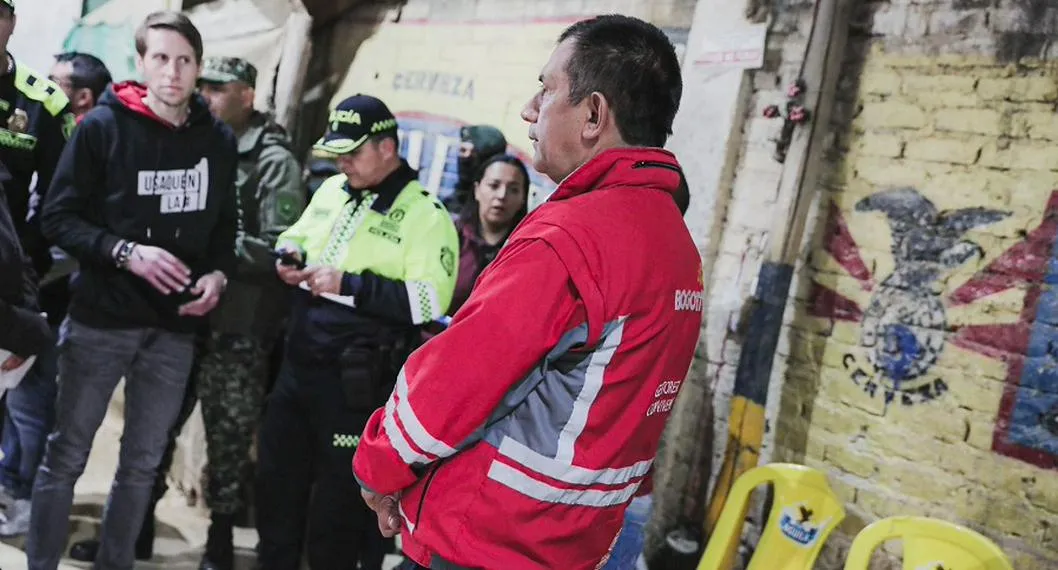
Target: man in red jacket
{"x": 517, "y": 437}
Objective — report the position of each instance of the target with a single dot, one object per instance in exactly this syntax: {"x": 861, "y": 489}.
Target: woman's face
{"x": 501, "y": 193}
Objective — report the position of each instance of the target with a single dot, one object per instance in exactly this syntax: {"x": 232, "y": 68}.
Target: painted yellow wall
{"x": 937, "y": 394}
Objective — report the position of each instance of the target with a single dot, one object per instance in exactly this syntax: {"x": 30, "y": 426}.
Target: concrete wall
{"x": 916, "y": 366}
{"x": 440, "y": 65}
{"x": 41, "y": 29}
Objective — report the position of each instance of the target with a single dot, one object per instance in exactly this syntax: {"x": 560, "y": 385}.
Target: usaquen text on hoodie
{"x": 128, "y": 174}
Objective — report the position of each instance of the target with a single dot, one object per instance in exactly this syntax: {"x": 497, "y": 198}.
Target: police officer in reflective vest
{"x": 35, "y": 121}
{"x": 373, "y": 259}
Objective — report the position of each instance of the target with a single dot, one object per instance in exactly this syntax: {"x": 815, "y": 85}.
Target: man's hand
{"x": 209, "y": 288}
{"x": 160, "y": 268}
{"x": 385, "y": 506}
{"x": 290, "y": 274}
{"x": 323, "y": 279}
{"x": 12, "y": 362}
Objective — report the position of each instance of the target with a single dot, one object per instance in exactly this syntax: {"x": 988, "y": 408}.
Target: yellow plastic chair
{"x": 929, "y": 544}
{"x": 804, "y": 512}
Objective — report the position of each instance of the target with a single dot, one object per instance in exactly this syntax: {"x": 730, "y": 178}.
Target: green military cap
{"x": 9, "y": 4}
{"x": 226, "y": 70}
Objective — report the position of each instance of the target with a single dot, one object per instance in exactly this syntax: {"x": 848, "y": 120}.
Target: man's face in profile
{"x": 555, "y": 124}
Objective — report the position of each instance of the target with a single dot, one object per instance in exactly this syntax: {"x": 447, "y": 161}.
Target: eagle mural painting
{"x": 916, "y": 328}
{"x": 904, "y": 324}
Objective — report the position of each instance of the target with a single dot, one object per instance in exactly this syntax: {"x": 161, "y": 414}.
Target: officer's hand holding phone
{"x": 290, "y": 266}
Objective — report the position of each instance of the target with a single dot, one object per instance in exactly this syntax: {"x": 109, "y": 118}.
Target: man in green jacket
{"x": 233, "y": 368}
{"x": 232, "y": 364}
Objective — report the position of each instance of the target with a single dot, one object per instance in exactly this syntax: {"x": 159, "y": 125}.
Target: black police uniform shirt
{"x": 35, "y": 122}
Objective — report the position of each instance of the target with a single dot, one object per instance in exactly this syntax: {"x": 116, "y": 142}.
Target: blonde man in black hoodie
{"x": 144, "y": 199}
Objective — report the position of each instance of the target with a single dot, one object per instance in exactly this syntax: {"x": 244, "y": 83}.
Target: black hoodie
{"x": 128, "y": 174}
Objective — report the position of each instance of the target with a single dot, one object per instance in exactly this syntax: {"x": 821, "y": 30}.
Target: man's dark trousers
{"x": 156, "y": 365}
{"x": 304, "y": 476}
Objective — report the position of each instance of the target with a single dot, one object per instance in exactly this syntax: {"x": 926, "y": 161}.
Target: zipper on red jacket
{"x": 426, "y": 489}
{"x": 653, "y": 164}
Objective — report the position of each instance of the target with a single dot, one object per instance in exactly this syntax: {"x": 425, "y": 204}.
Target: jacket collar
{"x": 253, "y": 133}
{"x": 639, "y": 167}
{"x": 262, "y": 130}
{"x": 389, "y": 188}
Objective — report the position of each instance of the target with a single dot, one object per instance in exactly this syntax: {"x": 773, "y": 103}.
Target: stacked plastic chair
{"x": 929, "y": 544}
{"x": 804, "y": 512}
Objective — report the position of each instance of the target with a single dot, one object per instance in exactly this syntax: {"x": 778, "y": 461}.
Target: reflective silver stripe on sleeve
{"x": 418, "y": 434}
{"x": 408, "y": 455}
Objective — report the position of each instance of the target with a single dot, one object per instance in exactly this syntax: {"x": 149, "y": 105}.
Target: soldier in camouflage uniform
{"x": 245, "y": 326}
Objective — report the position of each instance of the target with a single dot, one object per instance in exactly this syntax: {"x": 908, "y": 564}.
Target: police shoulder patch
{"x": 35, "y": 87}
{"x": 287, "y": 208}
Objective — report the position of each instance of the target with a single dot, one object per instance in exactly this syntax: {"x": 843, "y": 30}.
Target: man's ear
{"x": 598, "y": 109}
{"x": 83, "y": 99}
{"x": 389, "y": 147}
{"x": 247, "y": 97}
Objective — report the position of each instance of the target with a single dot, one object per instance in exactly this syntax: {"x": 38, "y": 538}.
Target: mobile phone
{"x": 288, "y": 258}
{"x": 185, "y": 295}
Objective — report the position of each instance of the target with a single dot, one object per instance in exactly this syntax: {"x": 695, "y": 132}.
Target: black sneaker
{"x": 87, "y": 550}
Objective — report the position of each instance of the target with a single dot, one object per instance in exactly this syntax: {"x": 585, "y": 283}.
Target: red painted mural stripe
{"x": 1025, "y": 262}
{"x": 842, "y": 246}
{"x": 993, "y": 341}
{"x": 829, "y": 304}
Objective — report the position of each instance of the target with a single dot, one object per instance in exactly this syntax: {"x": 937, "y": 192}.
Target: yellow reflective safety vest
{"x": 395, "y": 243}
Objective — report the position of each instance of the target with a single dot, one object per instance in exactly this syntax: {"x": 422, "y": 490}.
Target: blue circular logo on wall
{"x": 901, "y": 351}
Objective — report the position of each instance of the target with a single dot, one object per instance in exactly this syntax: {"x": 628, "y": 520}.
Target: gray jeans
{"x": 156, "y": 365}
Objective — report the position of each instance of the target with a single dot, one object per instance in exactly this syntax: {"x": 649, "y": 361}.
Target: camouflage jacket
{"x": 271, "y": 198}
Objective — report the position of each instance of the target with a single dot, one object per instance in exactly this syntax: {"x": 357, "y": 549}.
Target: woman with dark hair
{"x": 498, "y": 203}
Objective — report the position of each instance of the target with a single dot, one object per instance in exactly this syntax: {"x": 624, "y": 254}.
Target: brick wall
{"x": 748, "y": 204}
{"x": 917, "y": 366}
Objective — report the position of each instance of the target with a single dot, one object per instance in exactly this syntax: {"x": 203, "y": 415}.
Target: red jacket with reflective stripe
{"x": 517, "y": 437}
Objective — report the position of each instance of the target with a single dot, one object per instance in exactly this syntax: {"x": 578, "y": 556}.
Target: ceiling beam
{"x": 324, "y": 11}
